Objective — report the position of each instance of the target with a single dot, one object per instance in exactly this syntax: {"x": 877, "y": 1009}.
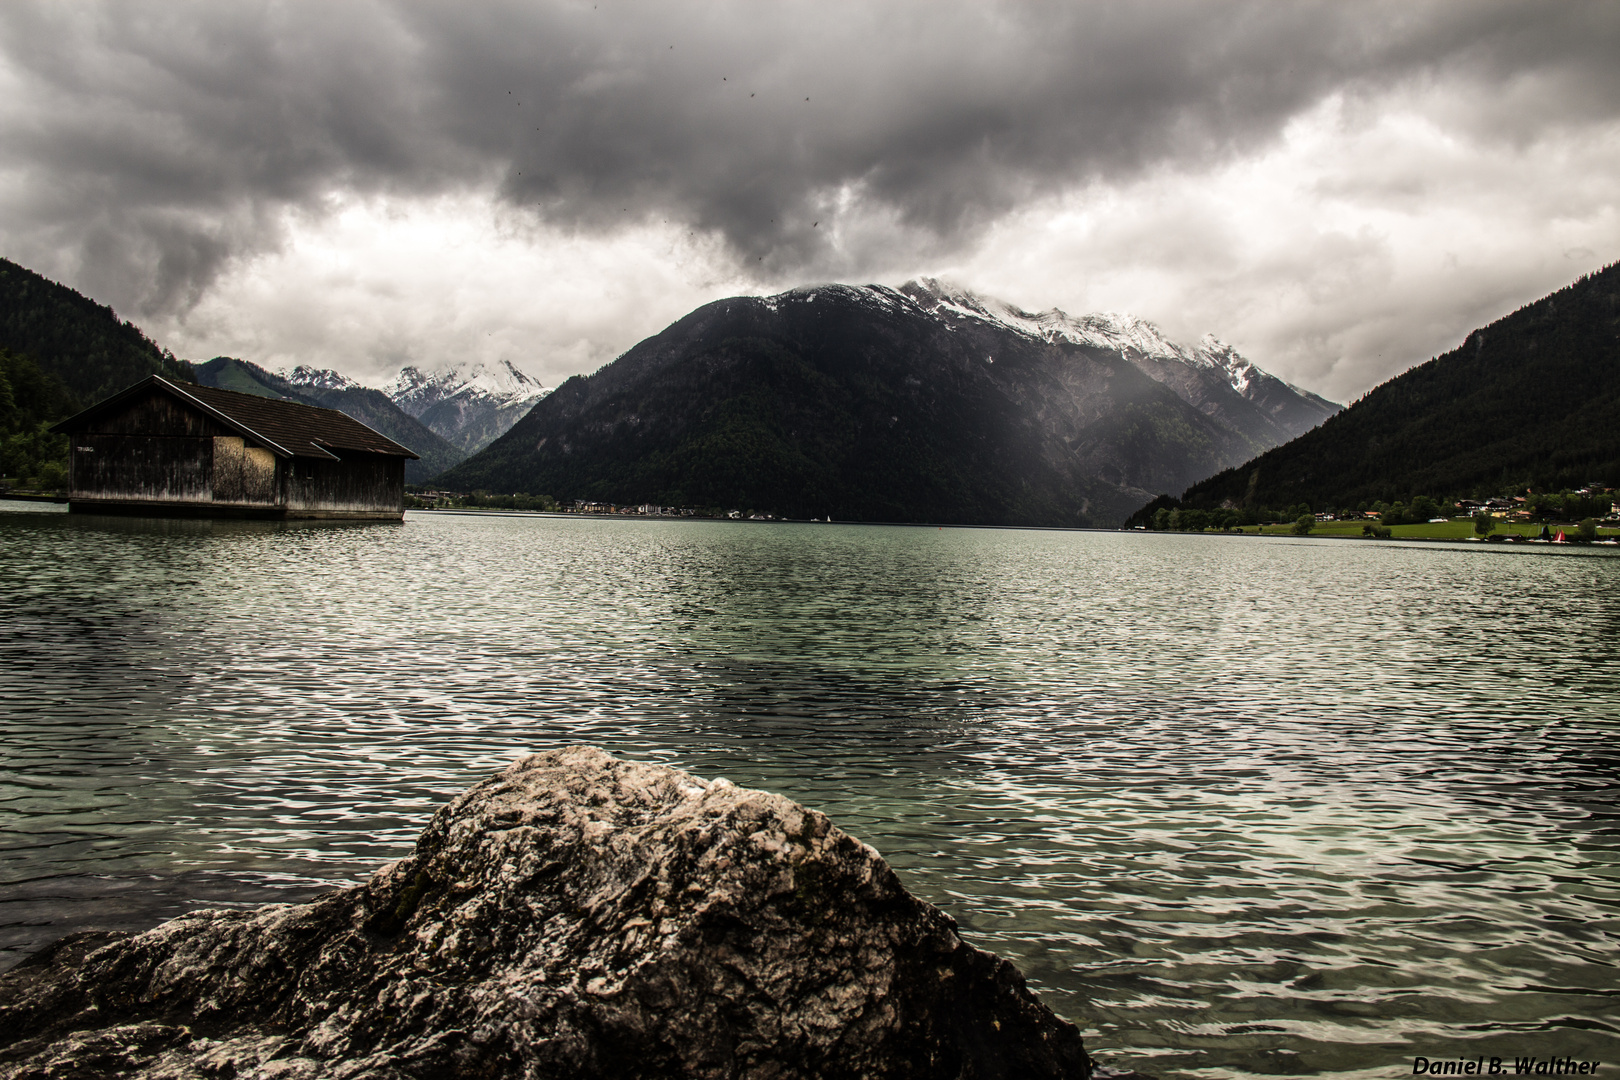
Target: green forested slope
{"x": 1532, "y": 400}
{"x": 30, "y": 401}
{"x": 59, "y": 352}
{"x": 80, "y": 342}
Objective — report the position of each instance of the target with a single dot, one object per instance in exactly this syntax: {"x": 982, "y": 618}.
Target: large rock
{"x": 573, "y": 916}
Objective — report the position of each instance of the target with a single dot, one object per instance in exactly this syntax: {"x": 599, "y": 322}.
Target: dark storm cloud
{"x": 148, "y": 145}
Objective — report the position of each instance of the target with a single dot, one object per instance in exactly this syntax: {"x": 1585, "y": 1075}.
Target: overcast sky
{"x": 1339, "y": 189}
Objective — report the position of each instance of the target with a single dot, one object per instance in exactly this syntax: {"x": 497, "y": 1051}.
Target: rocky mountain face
{"x": 1211, "y": 376}
{"x": 307, "y": 378}
{"x": 333, "y": 391}
{"x": 914, "y": 404}
{"x": 468, "y": 406}
{"x": 572, "y": 916}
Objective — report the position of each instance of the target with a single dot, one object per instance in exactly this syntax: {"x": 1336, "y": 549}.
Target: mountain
{"x": 333, "y": 391}
{"x": 75, "y": 340}
{"x": 318, "y": 378}
{"x": 1529, "y": 401}
{"x": 915, "y": 404}
{"x": 469, "y": 407}
{"x": 1212, "y": 376}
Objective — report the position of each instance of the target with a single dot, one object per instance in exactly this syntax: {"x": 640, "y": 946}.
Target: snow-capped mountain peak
{"x": 318, "y": 378}
{"x": 1246, "y": 376}
{"x": 468, "y": 404}
{"x": 950, "y": 300}
{"x": 504, "y": 381}
{"x": 1121, "y": 332}
{"x": 503, "y": 384}
{"x": 1240, "y": 370}
{"x": 1112, "y": 330}
{"x": 409, "y": 381}
{"x": 1194, "y": 373}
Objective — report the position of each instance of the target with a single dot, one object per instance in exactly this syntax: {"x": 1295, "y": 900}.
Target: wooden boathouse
{"x": 173, "y": 449}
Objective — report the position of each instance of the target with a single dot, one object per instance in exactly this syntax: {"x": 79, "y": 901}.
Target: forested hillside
{"x": 1530, "y": 401}
{"x": 31, "y": 400}
{"x": 80, "y": 342}
{"x": 60, "y": 351}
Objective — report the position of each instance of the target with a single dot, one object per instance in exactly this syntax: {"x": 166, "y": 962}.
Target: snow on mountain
{"x": 469, "y": 405}
{"x": 414, "y": 391}
{"x": 1104, "y": 330}
{"x": 1116, "y": 331}
{"x": 1216, "y": 353}
{"x": 501, "y": 384}
{"x": 318, "y": 378}
{"x": 1206, "y": 376}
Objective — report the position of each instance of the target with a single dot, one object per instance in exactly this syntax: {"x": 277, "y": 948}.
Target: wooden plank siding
{"x": 158, "y": 449}
{"x": 360, "y": 481}
{"x": 141, "y": 467}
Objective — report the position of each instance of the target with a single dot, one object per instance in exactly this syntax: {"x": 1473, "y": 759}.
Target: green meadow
{"x": 1459, "y": 529}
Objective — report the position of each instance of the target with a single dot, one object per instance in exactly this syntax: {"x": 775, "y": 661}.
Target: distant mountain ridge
{"x": 305, "y": 376}
{"x": 333, "y": 391}
{"x": 1531, "y": 400}
{"x": 1275, "y": 410}
{"x": 470, "y": 406}
{"x": 923, "y": 403}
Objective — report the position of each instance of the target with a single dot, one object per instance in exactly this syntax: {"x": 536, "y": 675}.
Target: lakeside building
{"x": 169, "y": 449}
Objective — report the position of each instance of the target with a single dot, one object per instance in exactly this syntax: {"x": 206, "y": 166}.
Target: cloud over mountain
{"x": 154, "y": 149}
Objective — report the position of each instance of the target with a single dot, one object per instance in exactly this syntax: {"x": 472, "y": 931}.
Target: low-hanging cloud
{"x": 153, "y": 147}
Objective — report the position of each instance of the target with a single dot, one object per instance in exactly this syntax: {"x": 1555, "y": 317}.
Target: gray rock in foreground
{"x": 573, "y": 916}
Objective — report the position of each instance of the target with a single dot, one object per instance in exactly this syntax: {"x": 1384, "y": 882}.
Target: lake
{"x": 1238, "y": 806}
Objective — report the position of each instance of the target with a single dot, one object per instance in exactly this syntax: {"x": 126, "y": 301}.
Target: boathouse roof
{"x": 285, "y": 428}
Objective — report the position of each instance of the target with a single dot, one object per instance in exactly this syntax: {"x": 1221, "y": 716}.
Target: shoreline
{"x": 1469, "y": 540}
{"x": 1543, "y": 546}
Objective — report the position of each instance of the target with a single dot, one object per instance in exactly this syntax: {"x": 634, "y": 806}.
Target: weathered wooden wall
{"x": 361, "y": 481}
{"x": 148, "y": 468}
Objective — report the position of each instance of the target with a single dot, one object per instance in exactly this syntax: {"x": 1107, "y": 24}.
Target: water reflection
{"x": 1239, "y": 807}
{"x": 793, "y": 647}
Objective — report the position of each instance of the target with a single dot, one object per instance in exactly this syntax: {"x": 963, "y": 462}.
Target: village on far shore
{"x": 1586, "y": 515}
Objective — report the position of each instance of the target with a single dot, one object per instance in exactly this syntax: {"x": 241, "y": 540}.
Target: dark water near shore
{"x": 1238, "y": 807}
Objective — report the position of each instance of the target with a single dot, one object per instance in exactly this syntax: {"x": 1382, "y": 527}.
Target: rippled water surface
{"x": 1237, "y": 806}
